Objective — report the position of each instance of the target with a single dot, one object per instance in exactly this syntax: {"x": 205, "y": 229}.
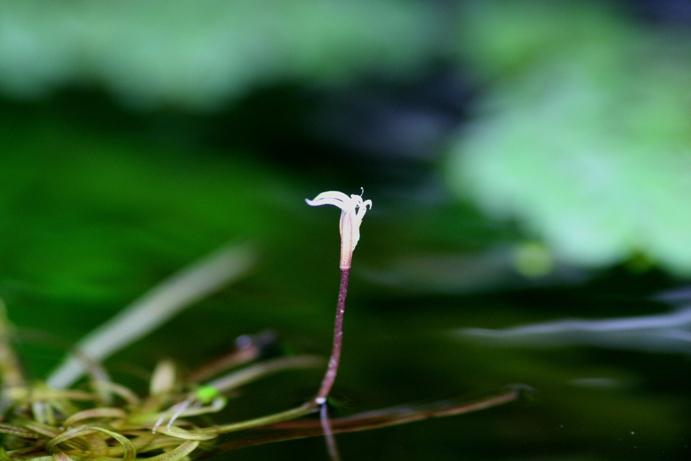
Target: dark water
{"x": 612, "y": 383}
{"x": 605, "y": 359}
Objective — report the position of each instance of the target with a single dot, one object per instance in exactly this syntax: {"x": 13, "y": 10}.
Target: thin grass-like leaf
{"x": 44, "y": 430}
{"x": 117, "y": 389}
{"x": 43, "y": 393}
{"x": 190, "y": 407}
{"x": 197, "y": 434}
{"x": 11, "y": 429}
{"x": 60, "y": 456}
{"x": 402, "y": 415}
{"x": 177, "y": 453}
{"x": 142, "y": 440}
{"x": 92, "y": 413}
{"x": 128, "y": 449}
{"x": 249, "y": 349}
{"x": 97, "y": 446}
{"x": 155, "y": 307}
{"x": 261, "y": 369}
{"x": 298, "y": 412}
{"x": 69, "y": 435}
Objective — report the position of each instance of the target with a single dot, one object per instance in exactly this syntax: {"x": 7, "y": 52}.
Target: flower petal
{"x": 331, "y": 197}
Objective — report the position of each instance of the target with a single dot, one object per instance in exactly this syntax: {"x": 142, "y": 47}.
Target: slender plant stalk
{"x": 155, "y": 307}
{"x": 353, "y": 209}
{"x": 331, "y": 446}
{"x": 288, "y": 415}
{"x": 292, "y": 430}
{"x": 332, "y": 370}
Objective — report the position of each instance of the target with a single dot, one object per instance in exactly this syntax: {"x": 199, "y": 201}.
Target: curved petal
{"x": 331, "y": 197}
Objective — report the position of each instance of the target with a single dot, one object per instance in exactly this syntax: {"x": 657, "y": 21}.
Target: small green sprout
{"x": 206, "y": 394}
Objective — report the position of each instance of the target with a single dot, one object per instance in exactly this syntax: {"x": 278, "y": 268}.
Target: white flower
{"x": 353, "y": 209}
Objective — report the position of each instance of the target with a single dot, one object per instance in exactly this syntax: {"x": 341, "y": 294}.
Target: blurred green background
{"x": 528, "y": 162}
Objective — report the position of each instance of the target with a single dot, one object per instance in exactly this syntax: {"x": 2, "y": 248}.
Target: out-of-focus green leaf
{"x": 83, "y": 216}
{"x": 202, "y": 53}
{"x": 500, "y": 38}
{"x": 588, "y": 148}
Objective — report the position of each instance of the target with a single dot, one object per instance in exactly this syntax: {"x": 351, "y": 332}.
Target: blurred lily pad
{"x": 202, "y": 54}
{"x": 591, "y": 155}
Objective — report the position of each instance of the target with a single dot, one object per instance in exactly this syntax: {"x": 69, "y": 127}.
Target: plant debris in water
{"x": 105, "y": 420}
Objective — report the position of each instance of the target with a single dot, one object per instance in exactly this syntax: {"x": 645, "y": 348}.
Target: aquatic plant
{"x": 101, "y": 419}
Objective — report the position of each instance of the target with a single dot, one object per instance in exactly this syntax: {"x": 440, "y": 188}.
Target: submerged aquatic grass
{"x": 44, "y": 424}
{"x": 106, "y": 420}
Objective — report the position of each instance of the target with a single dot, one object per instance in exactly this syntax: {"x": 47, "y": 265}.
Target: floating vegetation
{"x": 106, "y": 420}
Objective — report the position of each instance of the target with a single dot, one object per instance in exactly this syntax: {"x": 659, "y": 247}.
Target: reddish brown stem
{"x": 291, "y": 430}
{"x": 335, "y": 359}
